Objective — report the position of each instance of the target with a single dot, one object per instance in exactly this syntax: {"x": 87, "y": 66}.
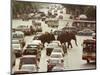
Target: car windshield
{"x": 56, "y": 50}
{"x": 16, "y": 46}
{"x": 15, "y": 42}
{"x": 55, "y": 56}
{"x": 28, "y": 68}
{"x": 53, "y": 44}
{"x": 89, "y": 47}
{"x": 54, "y": 61}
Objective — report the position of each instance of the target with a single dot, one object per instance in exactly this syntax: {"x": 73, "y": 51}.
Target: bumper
{"x": 50, "y": 67}
{"x": 18, "y": 53}
{"x": 89, "y": 58}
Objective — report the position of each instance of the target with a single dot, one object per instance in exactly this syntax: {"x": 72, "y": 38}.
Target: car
{"x": 38, "y": 43}
{"x": 89, "y": 50}
{"x": 94, "y": 35}
{"x": 58, "y": 68}
{"x": 29, "y": 68}
{"x": 50, "y": 47}
{"x": 17, "y": 49}
{"x": 27, "y": 60}
{"x": 70, "y": 29}
{"x": 52, "y": 22}
{"x": 55, "y": 59}
{"x": 36, "y": 37}
{"x": 61, "y": 11}
{"x": 58, "y": 50}
{"x": 60, "y": 16}
{"x": 19, "y": 35}
{"x": 85, "y": 32}
{"x": 13, "y": 58}
{"x": 34, "y": 45}
{"x": 25, "y": 29}
{"x": 32, "y": 51}
{"x": 17, "y": 42}
{"x": 38, "y": 26}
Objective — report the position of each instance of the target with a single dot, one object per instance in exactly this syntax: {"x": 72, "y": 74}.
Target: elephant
{"x": 67, "y": 37}
{"x": 46, "y": 37}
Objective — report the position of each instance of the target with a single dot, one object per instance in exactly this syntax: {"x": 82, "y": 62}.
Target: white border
{"x": 86, "y": 2}
{"x": 5, "y": 25}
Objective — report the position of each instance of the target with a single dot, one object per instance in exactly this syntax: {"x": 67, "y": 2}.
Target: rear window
{"x": 55, "y": 56}
{"x": 28, "y": 60}
{"x": 18, "y": 36}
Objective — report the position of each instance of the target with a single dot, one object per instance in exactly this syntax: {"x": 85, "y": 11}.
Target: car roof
{"x": 27, "y": 56}
{"x": 18, "y": 32}
{"x": 58, "y": 48}
{"x": 34, "y": 42}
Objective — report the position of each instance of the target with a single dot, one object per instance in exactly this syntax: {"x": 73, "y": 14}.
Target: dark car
{"x": 25, "y": 29}
{"x": 32, "y": 49}
{"x": 85, "y": 32}
{"x": 28, "y": 59}
{"x": 70, "y": 29}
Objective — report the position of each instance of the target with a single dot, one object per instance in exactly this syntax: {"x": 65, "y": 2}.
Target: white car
{"x": 16, "y": 42}
{"x": 58, "y": 50}
{"x": 38, "y": 43}
{"x": 17, "y": 49}
{"x": 55, "y": 59}
{"x": 19, "y": 35}
{"x": 50, "y": 47}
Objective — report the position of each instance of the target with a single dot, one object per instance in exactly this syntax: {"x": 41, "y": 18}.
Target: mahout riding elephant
{"x": 46, "y": 37}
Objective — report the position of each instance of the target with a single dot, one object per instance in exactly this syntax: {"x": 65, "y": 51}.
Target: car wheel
{"x": 88, "y": 61}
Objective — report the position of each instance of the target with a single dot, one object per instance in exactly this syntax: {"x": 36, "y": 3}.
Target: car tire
{"x": 88, "y": 61}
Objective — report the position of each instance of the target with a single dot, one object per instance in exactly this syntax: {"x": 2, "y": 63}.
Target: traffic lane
{"x": 73, "y": 59}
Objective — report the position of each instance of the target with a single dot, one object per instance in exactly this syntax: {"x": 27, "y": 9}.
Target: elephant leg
{"x": 65, "y": 48}
{"x": 69, "y": 44}
{"x": 76, "y": 42}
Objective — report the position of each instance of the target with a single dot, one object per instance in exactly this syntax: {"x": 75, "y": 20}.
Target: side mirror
{"x": 48, "y": 61}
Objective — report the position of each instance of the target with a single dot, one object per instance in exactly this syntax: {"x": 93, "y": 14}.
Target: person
{"x": 51, "y": 31}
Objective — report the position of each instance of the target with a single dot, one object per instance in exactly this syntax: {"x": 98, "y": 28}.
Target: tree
{"x": 91, "y": 12}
